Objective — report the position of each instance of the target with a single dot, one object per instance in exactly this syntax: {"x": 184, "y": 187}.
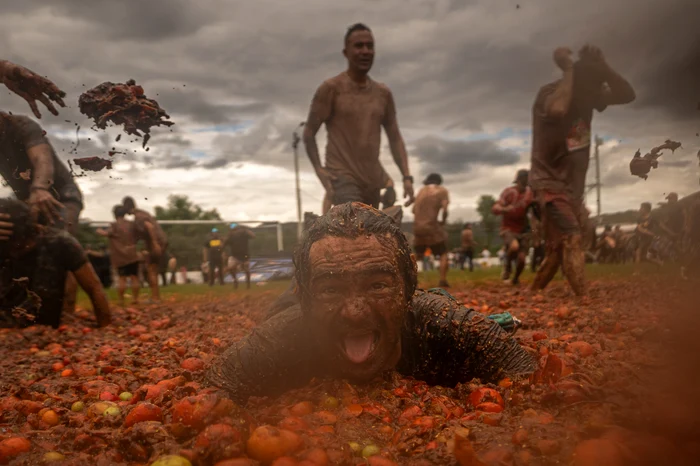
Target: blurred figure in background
{"x": 172, "y": 268}
{"x": 430, "y": 215}
{"x": 125, "y": 258}
{"x": 238, "y": 247}
{"x": 468, "y": 243}
{"x": 213, "y": 256}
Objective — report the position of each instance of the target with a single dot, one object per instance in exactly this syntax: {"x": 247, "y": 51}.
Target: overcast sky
{"x": 238, "y": 76}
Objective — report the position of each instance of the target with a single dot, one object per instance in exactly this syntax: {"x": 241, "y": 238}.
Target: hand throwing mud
{"x": 31, "y": 87}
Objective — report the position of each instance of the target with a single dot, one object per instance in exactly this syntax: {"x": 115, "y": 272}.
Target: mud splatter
{"x": 94, "y": 164}
{"x": 123, "y": 104}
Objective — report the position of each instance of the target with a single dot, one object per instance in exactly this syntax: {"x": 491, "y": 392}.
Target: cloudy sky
{"x": 237, "y": 78}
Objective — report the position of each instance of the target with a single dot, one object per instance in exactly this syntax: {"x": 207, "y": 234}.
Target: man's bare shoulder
{"x": 336, "y": 81}
{"x": 383, "y": 88}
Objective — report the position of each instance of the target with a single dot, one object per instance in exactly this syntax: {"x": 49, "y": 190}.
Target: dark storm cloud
{"x": 446, "y": 156}
{"x": 195, "y": 104}
{"x": 171, "y": 140}
{"x": 219, "y": 162}
{"x": 128, "y": 19}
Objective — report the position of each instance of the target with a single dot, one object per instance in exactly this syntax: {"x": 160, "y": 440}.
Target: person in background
{"x": 213, "y": 256}
{"x": 646, "y": 226}
{"x": 238, "y": 247}
{"x": 468, "y": 243}
{"x": 35, "y": 261}
{"x": 172, "y": 268}
{"x": 561, "y": 142}
{"x": 156, "y": 242}
{"x": 430, "y": 215}
{"x": 354, "y": 108}
{"x": 513, "y": 205}
{"x": 163, "y": 268}
{"x": 100, "y": 261}
{"x": 125, "y": 257}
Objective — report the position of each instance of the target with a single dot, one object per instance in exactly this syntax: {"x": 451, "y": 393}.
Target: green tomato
{"x": 125, "y": 396}
{"x": 370, "y": 450}
{"x": 77, "y": 407}
{"x": 355, "y": 447}
{"x": 171, "y": 460}
{"x": 112, "y": 411}
{"x": 330, "y": 402}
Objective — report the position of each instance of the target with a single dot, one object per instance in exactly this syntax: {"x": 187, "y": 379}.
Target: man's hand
{"x": 31, "y": 87}
{"x": 562, "y": 57}
{"x": 42, "y": 202}
{"x": 408, "y": 192}
{"x": 326, "y": 178}
{"x": 5, "y": 227}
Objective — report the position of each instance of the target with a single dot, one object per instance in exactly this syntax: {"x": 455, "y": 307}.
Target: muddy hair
{"x": 24, "y": 226}
{"x": 129, "y": 203}
{"x": 351, "y": 220}
{"x": 119, "y": 211}
{"x": 354, "y": 28}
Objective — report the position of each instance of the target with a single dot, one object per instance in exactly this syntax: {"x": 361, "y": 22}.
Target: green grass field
{"x": 456, "y": 278}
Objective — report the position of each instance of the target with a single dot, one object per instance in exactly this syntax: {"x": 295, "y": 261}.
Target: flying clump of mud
{"x": 641, "y": 165}
{"x": 123, "y": 104}
{"x": 94, "y": 164}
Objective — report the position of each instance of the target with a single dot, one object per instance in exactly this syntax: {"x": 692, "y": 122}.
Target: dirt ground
{"x": 617, "y": 386}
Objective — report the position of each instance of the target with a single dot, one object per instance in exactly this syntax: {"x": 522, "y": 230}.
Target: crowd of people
{"x": 355, "y": 280}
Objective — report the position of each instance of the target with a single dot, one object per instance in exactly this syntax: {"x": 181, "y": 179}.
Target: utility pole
{"x": 597, "y": 185}
{"x": 295, "y": 145}
{"x": 598, "y": 143}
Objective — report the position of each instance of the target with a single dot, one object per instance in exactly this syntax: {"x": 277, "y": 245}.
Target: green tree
{"x": 489, "y": 221}
{"x": 181, "y": 208}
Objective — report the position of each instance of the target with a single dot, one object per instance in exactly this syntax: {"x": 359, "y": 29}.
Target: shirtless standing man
{"x": 354, "y": 108}
{"x": 148, "y": 230}
{"x": 467, "y": 243}
{"x": 430, "y": 232}
{"x": 561, "y": 141}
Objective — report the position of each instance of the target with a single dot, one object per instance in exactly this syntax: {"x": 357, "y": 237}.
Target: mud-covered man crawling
{"x": 356, "y": 313}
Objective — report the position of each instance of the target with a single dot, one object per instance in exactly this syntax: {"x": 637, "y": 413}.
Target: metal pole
{"x": 280, "y": 241}
{"x": 295, "y": 145}
{"x": 598, "y": 143}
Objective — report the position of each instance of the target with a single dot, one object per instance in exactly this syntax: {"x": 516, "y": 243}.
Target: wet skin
{"x": 357, "y": 304}
{"x": 359, "y": 50}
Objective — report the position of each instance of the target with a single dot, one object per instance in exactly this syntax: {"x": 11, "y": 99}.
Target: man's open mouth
{"x": 359, "y": 347}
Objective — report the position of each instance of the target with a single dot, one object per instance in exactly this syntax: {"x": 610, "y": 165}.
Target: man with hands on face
{"x": 561, "y": 140}
{"x": 354, "y": 109}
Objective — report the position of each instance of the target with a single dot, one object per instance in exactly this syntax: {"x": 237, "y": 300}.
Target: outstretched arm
{"x": 450, "y": 344}
{"x": 268, "y": 362}
{"x": 88, "y": 281}
{"x": 31, "y": 87}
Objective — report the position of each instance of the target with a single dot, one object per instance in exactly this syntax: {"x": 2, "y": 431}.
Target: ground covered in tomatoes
{"x": 617, "y": 375}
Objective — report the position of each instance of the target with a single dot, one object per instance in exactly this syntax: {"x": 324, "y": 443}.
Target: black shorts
{"x": 438, "y": 249}
{"x": 129, "y": 270}
{"x": 347, "y": 189}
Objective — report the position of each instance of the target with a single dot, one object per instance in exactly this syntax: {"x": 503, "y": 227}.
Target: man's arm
{"x": 154, "y": 246}
{"x": 618, "y": 90}
{"x": 450, "y": 344}
{"x": 398, "y": 148}
{"x": 40, "y": 155}
{"x": 271, "y": 360}
{"x": 320, "y": 111}
{"x": 443, "y": 205}
{"x": 557, "y": 104}
{"x": 503, "y": 204}
{"x": 88, "y": 281}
